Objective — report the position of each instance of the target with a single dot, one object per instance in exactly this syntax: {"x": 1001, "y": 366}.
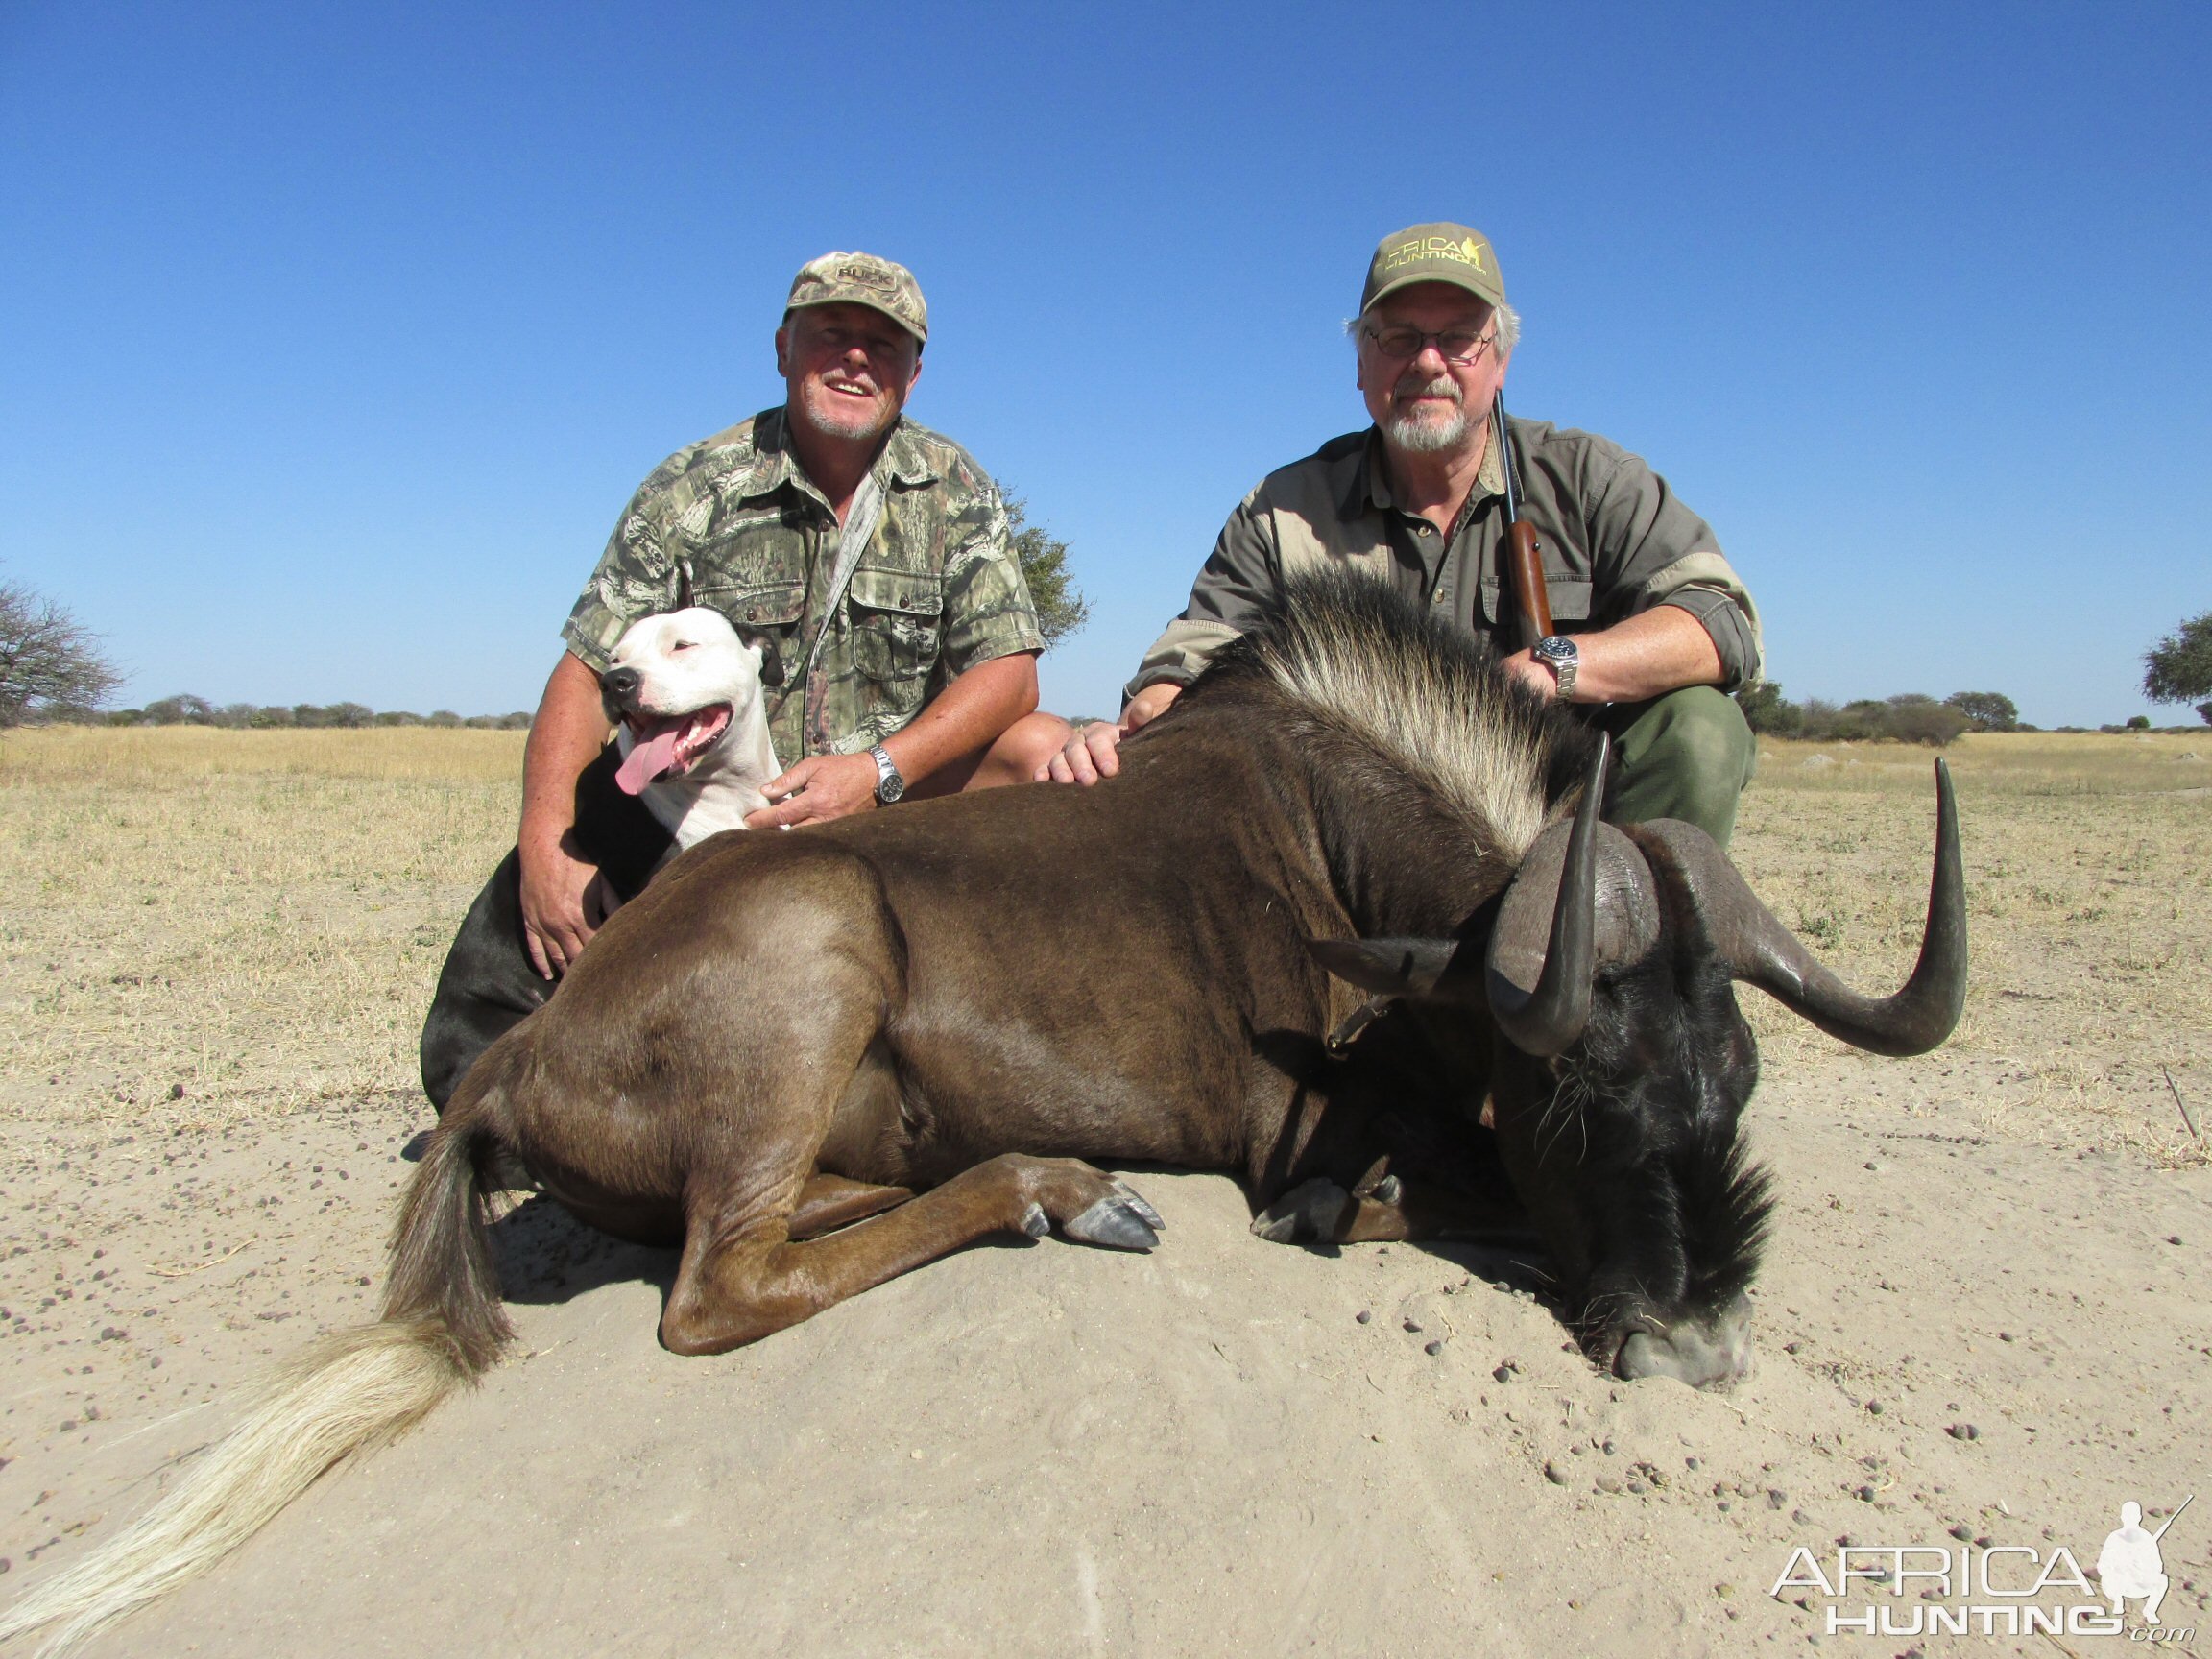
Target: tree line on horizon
{"x": 53, "y": 672}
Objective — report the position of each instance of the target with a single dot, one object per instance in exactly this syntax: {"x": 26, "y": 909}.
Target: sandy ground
{"x": 1982, "y": 1319}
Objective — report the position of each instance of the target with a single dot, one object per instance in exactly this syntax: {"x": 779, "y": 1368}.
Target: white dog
{"x": 685, "y": 691}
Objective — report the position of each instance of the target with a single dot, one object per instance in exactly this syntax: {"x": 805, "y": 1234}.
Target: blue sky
{"x": 333, "y": 339}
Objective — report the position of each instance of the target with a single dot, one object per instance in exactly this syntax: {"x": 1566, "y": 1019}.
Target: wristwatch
{"x": 1559, "y": 652}
{"x": 889, "y": 785}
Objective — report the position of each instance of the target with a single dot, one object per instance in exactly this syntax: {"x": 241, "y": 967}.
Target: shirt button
{"x": 1427, "y": 530}
{"x": 1438, "y": 597}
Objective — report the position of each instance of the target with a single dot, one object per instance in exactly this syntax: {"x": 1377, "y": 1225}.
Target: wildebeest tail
{"x": 350, "y": 1391}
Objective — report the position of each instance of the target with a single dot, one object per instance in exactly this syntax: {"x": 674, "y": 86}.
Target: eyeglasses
{"x": 1458, "y": 345}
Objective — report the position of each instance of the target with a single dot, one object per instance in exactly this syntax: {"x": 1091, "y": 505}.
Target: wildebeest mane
{"x": 1352, "y": 664}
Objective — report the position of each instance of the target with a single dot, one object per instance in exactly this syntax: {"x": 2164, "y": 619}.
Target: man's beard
{"x": 1422, "y": 435}
{"x": 823, "y": 414}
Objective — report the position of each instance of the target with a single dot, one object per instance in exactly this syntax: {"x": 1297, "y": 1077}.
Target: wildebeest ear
{"x": 1385, "y": 967}
{"x": 771, "y": 659}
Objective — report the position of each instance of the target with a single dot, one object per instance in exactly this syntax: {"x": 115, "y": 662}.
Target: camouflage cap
{"x": 1455, "y": 253}
{"x": 862, "y": 280}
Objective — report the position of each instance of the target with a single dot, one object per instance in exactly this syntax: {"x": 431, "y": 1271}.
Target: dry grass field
{"x": 255, "y": 919}
{"x": 1982, "y": 1316}
{"x": 204, "y": 925}
{"x": 2089, "y": 893}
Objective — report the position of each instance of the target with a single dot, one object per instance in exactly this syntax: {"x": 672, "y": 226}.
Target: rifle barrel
{"x": 2175, "y": 1516}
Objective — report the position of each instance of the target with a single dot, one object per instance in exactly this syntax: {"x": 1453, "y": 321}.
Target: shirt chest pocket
{"x": 1569, "y": 596}
{"x": 898, "y": 619}
{"x": 760, "y": 606}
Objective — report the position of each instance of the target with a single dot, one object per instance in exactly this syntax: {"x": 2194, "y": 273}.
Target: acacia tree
{"x": 50, "y": 663}
{"x": 2179, "y": 668}
{"x": 1989, "y": 711}
{"x": 1060, "y": 608}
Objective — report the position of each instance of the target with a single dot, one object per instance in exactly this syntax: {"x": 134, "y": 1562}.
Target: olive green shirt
{"x": 937, "y": 589}
{"x": 1615, "y": 541}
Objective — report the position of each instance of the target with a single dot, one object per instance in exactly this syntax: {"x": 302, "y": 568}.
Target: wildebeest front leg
{"x": 1385, "y": 1211}
{"x": 828, "y": 1202}
{"x": 745, "y": 1277}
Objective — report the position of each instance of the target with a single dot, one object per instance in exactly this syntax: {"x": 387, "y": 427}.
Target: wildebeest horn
{"x": 1760, "y": 950}
{"x": 1547, "y": 1020}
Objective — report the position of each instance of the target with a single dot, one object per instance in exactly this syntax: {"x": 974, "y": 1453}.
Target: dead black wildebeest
{"x": 818, "y": 1060}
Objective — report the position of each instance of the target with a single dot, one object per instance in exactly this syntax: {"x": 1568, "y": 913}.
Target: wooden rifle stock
{"x": 1532, "y": 602}
{"x": 1523, "y": 554}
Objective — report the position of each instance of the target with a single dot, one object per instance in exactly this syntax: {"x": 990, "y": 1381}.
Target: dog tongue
{"x": 647, "y": 759}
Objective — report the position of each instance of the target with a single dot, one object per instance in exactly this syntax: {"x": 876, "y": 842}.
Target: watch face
{"x": 1556, "y": 648}
{"x": 890, "y": 789}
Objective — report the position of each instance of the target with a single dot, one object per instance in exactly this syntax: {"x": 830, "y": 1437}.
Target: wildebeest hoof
{"x": 1698, "y": 1353}
{"x": 508, "y": 1173}
{"x": 1387, "y": 1190}
{"x": 1126, "y": 1222}
{"x": 1035, "y": 1222}
{"x": 1306, "y": 1215}
{"x": 1136, "y": 1201}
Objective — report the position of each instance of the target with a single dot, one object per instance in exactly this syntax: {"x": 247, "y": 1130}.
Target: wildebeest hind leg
{"x": 742, "y": 1279}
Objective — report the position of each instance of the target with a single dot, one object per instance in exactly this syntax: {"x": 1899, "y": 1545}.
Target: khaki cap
{"x": 862, "y": 280}
{"x": 1455, "y": 253}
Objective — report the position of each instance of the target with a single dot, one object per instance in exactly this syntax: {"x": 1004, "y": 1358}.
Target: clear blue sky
{"x": 332, "y": 339}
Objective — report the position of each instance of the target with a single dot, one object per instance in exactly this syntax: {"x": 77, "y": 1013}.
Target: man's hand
{"x": 1540, "y": 678}
{"x": 1093, "y": 752}
{"x": 819, "y": 788}
{"x": 556, "y": 922}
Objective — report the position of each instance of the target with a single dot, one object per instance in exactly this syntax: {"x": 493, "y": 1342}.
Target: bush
{"x": 1917, "y": 719}
{"x": 182, "y": 710}
{"x": 1910, "y": 717}
{"x": 1767, "y": 713}
{"x": 1061, "y": 610}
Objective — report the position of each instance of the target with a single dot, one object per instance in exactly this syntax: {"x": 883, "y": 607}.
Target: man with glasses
{"x": 910, "y": 655}
{"x": 1653, "y": 627}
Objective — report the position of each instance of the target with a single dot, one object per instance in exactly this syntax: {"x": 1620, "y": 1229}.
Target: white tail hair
{"x": 346, "y": 1392}
{"x": 352, "y": 1390}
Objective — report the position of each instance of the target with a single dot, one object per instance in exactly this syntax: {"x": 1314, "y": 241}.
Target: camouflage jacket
{"x": 1616, "y": 540}
{"x": 937, "y": 589}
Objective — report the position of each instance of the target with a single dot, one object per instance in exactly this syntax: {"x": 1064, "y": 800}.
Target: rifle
{"x": 2175, "y": 1516}
{"x": 1523, "y": 554}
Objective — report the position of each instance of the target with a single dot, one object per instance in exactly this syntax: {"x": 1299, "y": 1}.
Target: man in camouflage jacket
{"x": 1653, "y": 625}
{"x": 928, "y": 655}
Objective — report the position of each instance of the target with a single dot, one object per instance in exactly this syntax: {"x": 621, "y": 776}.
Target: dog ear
{"x": 771, "y": 659}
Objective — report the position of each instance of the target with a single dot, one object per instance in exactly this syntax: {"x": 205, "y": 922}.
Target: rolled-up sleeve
{"x": 1650, "y": 550}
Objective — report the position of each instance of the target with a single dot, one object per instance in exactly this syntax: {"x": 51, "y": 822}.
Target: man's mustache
{"x": 1443, "y": 386}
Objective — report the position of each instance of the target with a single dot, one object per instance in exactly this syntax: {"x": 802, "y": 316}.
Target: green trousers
{"x": 1687, "y": 755}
